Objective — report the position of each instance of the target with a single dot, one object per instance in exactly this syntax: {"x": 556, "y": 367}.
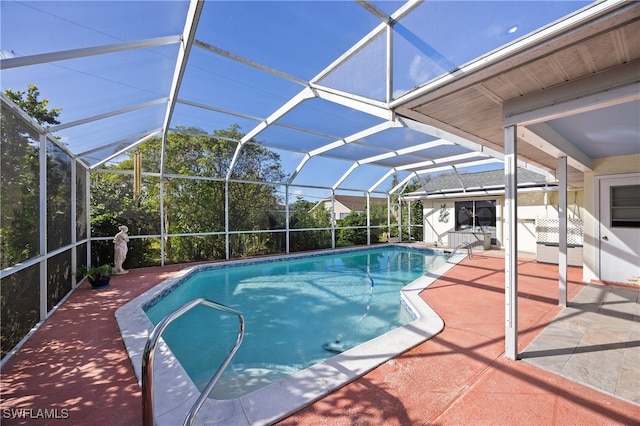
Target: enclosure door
{"x": 619, "y": 225}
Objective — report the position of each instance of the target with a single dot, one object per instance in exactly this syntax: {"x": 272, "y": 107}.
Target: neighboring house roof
{"x": 462, "y": 183}
{"x": 353, "y": 203}
{"x": 357, "y": 204}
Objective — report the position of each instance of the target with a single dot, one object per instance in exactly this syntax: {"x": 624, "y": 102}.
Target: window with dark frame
{"x": 625, "y": 206}
{"x": 476, "y": 216}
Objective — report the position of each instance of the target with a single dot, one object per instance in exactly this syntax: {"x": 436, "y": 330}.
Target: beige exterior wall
{"x": 601, "y": 167}
{"x": 531, "y": 205}
{"x": 340, "y": 209}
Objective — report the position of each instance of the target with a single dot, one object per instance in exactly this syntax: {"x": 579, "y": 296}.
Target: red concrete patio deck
{"x": 76, "y": 365}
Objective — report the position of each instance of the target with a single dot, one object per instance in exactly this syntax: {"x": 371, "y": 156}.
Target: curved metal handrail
{"x": 463, "y": 244}
{"x": 149, "y": 351}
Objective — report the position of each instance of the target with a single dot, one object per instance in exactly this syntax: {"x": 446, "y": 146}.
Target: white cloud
{"x": 495, "y": 30}
{"x": 399, "y": 92}
{"x": 421, "y": 69}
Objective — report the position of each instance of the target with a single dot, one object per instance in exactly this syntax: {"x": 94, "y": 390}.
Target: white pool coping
{"x": 175, "y": 393}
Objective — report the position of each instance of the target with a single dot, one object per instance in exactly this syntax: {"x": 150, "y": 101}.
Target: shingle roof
{"x": 492, "y": 179}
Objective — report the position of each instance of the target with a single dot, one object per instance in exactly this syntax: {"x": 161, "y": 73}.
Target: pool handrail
{"x": 461, "y": 245}
{"x": 149, "y": 350}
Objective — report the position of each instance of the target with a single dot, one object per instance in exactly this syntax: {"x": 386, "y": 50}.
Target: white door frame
{"x": 598, "y": 214}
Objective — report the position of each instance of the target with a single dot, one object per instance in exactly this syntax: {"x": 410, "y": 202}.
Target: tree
{"x": 409, "y": 232}
{"x": 193, "y": 205}
{"x": 353, "y": 233}
{"x": 378, "y": 217}
{"x": 19, "y": 217}
{"x": 304, "y": 216}
{"x": 112, "y": 204}
{"x": 19, "y": 177}
{"x": 33, "y": 106}
{"x": 413, "y": 230}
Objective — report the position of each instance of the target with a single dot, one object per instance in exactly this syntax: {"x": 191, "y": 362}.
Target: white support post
{"x": 226, "y": 220}
{"x": 333, "y": 219}
{"x": 562, "y": 217}
{"x": 74, "y": 222}
{"x": 499, "y": 229}
{"x": 368, "y": 218}
{"x": 163, "y": 231}
{"x": 399, "y": 219}
{"x": 511, "y": 242}
{"x": 409, "y": 220}
{"x": 87, "y": 211}
{"x": 286, "y": 218}
{"x": 389, "y": 218}
{"x": 42, "y": 244}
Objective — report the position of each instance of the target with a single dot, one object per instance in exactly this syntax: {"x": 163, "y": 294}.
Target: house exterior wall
{"x": 438, "y": 220}
{"x": 340, "y": 209}
{"x": 531, "y": 205}
{"x": 601, "y": 167}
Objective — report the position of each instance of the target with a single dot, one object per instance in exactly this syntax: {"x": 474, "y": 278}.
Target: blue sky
{"x": 299, "y": 38}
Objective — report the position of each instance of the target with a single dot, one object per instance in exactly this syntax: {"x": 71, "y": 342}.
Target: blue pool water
{"x": 295, "y": 309}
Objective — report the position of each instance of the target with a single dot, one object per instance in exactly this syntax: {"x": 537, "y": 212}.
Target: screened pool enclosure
{"x": 223, "y": 129}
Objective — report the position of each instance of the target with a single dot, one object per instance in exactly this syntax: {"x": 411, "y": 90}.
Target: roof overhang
{"x": 584, "y": 64}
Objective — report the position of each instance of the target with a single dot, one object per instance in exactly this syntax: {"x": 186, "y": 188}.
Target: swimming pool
{"x": 176, "y": 390}
{"x": 298, "y": 313}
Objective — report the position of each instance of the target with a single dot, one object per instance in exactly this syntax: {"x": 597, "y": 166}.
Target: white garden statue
{"x": 120, "y": 249}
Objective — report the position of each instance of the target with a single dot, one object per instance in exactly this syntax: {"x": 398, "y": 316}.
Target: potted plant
{"x": 98, "y": 276}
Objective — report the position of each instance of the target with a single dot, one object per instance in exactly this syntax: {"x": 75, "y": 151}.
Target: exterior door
{"x": 620, "y": 229}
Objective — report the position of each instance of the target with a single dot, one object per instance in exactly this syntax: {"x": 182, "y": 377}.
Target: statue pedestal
{"x": 119, "y": 273}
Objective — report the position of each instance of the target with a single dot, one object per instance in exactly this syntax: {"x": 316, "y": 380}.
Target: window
{"x": 625, "y": 206}
{"x": 476, "y": 216}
